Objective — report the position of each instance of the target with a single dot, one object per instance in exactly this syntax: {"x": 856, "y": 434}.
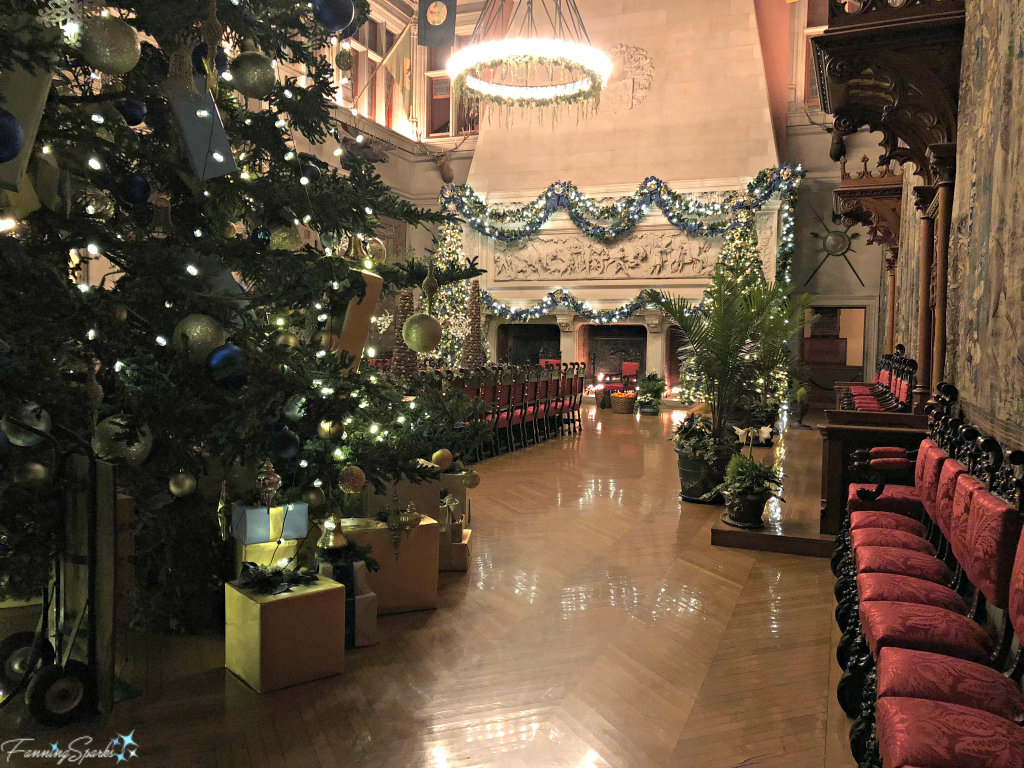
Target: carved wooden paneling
{"x": 873, "y": 200}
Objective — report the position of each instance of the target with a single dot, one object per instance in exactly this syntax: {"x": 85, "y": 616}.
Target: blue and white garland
{"x": 560, "y": 297}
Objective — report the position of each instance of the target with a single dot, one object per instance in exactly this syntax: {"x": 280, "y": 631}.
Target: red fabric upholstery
{"x": 891, "y": 465}
{"x": 903, "y": 562}
{"x": 887, "y": 452}
{"x": 941, "y": 510}
{"x": 917, "y": 733}
{"x": 893, "y": 588}
{"x": 867, "y": 518}
{"x": 860, "y": 389}
{"x": 901, "y": 499}
{"x": 922, "y": 675}
{"x": 993, "y": 530}
{"x": 922, "y": 628}
{"x": 884, "y": 378}
{"x": 966, "y": 486}
{"x": 630, "y": 369}
{"x": 928, "y": 485}
{"x": 887, "y": 537}
{"x": 1017, "y": 591}
{"x": 926, "y": 448}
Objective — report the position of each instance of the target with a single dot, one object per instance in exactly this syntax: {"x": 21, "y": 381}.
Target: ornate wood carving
{"x": 874, "y": 200}
{"x": 895, "y": 70}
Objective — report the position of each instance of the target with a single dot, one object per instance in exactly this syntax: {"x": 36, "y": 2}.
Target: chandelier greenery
{"x": 541, "y": 59}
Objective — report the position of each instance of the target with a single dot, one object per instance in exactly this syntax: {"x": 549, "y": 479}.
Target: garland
{"x": 560, "y": 297}
{"x": 612, "y": 221}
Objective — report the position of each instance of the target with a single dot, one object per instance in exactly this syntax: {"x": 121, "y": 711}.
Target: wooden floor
{"x": 597, "y": 627}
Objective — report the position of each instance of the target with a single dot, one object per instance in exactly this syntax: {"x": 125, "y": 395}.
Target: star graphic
{"x": 133, "y": 753}
{"x": 55, "y": 746}
{"x": 128, "y": 741}
{"x": 121, "y": 758}
{"x": 115, "y": 741}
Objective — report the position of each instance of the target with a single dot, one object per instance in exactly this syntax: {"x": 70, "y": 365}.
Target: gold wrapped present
{"x": 273, "y": 553}
{"x": 275, "y": 641}
{"x": 456, "y": 555}
{"x": 405, "y": 583}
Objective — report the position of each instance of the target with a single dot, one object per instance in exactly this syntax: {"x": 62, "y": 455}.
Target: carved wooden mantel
{"x": 873, "y": 200}
{"x": 895, "y": 70}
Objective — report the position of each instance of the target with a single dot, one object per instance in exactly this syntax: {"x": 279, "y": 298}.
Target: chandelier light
{"x": 542, "y": 59}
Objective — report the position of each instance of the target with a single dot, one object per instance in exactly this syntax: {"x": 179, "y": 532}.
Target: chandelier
{"x": 543, "y": 58}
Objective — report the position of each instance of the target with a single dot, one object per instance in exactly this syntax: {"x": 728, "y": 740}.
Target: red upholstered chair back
{"x": 941, "y": 510}
{"x": 503, "y": 394}
{"x": 885, "y": 377}
{"x": 487, "y": 391}
{"x": 518, "y": 390}
{"x": 1017, "y": 591}
{"x": 542, "y": 389}
{"x": 531, "y": 391}
{"x": 874, "y": 380}
{"x": 993, "y": 534}
{"x": 966, "y": 486}
{"x": 630, "y": 370}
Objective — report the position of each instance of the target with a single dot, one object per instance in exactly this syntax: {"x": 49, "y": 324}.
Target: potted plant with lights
{"x": 652, "y": 388}
{"x": 748, "y": 486}
{"x": 734, "y": 342}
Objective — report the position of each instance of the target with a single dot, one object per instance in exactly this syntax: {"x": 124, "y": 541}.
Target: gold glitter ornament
{"x": 182, "y": 484}
{"x": 108, "y": 443}
{"x": 252, "y": 75}
{"x": 314, "y": 497}
{"x": 443, "y": 458}
{"x": 31, "y": 473}
{"x": 110, "y": 45}
{"x": 121, "y": 313}
{"x": 200, "y": 335}
{"x": 352, "y": 479}
{"x": 472, "y": 479}
{"x": 327, "y": 341}
{"x": 96, "y": 203}
{"x": 287, "y": 339}
{"x": 421, "y": 333}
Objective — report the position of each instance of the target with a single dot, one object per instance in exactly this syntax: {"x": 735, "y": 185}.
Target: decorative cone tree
{"x": 451, "y": 302}
{"x": 405, "y": 365}
{"x": 472, "y": 344}
{"x": 199, "y": 378}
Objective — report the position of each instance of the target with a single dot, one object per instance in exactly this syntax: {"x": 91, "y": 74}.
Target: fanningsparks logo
{"x": 121, "y": 749}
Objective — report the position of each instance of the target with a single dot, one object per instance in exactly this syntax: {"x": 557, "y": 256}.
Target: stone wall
{"x": 908, "y": 269}
{"x": 985, "y": 325}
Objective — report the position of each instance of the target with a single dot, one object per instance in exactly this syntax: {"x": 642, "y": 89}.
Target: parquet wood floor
{"x": 597, "y": 627}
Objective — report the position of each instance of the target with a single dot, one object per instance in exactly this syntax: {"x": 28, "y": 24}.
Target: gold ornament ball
{"x": 182, "y": 484}
{"x": 121, "y": 313}
{"x": 201, "y": 334}
{"x": 472, "y": 479}
{"x": 287, "y": 339}
{"x": 230, "y": 230}
{"x": 327, "y": 341}
{"x": 421, "y": 333}
{"x": 108, "y": 443}
{"x": 443, "y": 458}
{"x": 330, "y": 430}
{"x": 253, "y": 75}
{"x": 352, "y": 479}
{"x": 314, "y": 497}
{"x": 110, "y": 45}
{"x": 31, "y": 473}
{"x": 30, "y": 414}
{"x": 97, "y": 203}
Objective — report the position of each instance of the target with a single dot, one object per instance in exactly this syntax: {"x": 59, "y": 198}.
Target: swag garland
{"x": 559, "y": 297}
{"x": 612, "y": 221}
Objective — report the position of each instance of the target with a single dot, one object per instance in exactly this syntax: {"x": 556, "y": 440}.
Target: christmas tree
{"x": 175, "y": 271}
{"x": 452, "y": 301}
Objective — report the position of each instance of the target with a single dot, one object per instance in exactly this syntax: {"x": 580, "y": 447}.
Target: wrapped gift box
{"x": 273, "y": 553}
{"x": 360, "y": 603}
{"x": 408, "y": 583}
{"x": 455, "y": 555}
{"x": 275, "y": 641}
{"x": 258, "y": 525}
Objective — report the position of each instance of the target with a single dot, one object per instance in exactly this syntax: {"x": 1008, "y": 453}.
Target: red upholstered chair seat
{"x": 871, "y": 519}
{"x": 922, "y": 628}
{"x": 903, "y": 562}
{"x": 503, "y": 421}
{"x": 917, "y": 733}
{"x": 886, "y": 537}
{"x": 888, "y": 452}
{"x": 893, "y": 588}
{"x": 901, "y": 499}
{"x": 922, "y": 675}
{"x": 860, "y": 389}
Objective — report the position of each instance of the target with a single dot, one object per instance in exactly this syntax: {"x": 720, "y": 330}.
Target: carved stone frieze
{"x": 632, "y": 75}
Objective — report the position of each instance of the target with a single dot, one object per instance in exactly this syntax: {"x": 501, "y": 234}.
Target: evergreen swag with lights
{"x": 85, "y": 355}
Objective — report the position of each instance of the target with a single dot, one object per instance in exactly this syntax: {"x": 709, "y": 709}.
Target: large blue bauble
{"x": 260, "y": 237}
{"x": 133, "y": 111}
{"x": 311, "y": 171}
{"x": 220, "y": 60}
{"x": 334, "y": 14}
{"x": 285, "y": 444}
{"x": 226, "y": 366}
{"x": 135, "y": 189}
{"x": 12, "y": 138}
{"x": 12, "y": 256}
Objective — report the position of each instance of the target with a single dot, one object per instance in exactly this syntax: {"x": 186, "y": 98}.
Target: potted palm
{"x": 800, "y": 397}
{"x": 747, "y": 488}
{"x": 648, "y": 401}
{"x": 734, "y": 342}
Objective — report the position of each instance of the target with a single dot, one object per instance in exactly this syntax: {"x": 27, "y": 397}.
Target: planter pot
{"x": 623, "y": 404}
{"x": 800, "y": 410}
{"x": 746, "y": 511}
{"x": 698, "y": 477}
{"x": 648, "y": 409}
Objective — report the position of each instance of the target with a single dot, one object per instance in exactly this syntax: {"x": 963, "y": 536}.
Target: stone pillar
{"x": 567, "y": 336}
{"x": 942, "y": 158}
{"x": 890, "y": 329}
{"x": 923, "y": 197}
{"x": 657, "y": 342}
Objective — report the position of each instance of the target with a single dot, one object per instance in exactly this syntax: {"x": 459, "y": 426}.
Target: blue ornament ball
{"x": 133, "y": 111}
{"x": 226, "y": 366}
{"x": 12, "y": 138}
{"x": 285, "y": 444}
{"x": 199, "y": 54}
{"x": 220, "y": 60}
{"x": 13, "y": 257}
{"x": 334, "y": 14}
{"x": 311, "y": 171}
{"x": 260, "y": 237}
{"x": 135, "y": 189}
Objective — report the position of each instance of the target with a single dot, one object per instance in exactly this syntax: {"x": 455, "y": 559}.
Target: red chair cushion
{"x": 887, "y": 537}
{"x": 893, "y": 588}
{"x": 993, "y": 530}
{"x": 966, "y": 486}
{"x": 901, "y": 499}
{"x": 902, "y": 562}
{"x": 860, "y": 389}
{"x": 891, "y": 465}
{"x": 868, "y": 518}
{"x": 922, "y": 675}
{"x": 941, "y": 509}
{"x": 503, "y": 421}
{"x": 917, "y": 733}
{"x": 887, "y": 452}
{"x": 922, "y": 628}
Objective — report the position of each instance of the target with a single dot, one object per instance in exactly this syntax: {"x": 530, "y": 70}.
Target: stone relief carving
{"x": 632, "y": 75}
{"x": 767, "y": 241}
{"x": 644, "y": 255}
